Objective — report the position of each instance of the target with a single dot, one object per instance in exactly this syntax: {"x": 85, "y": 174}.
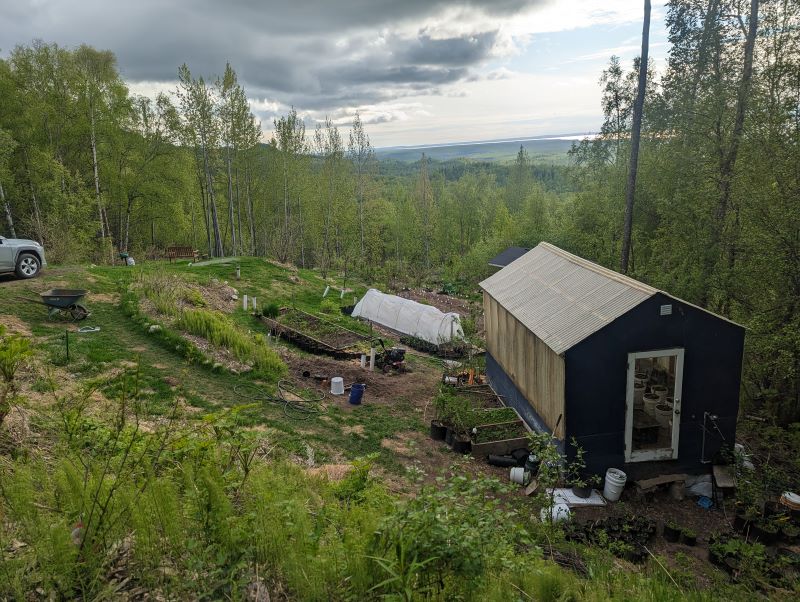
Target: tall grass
{"x": 221, "y": 331}
{"x": 182, "y": 523}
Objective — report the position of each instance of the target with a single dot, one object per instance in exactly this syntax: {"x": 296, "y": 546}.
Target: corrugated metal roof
{"x": 563, "y": 298}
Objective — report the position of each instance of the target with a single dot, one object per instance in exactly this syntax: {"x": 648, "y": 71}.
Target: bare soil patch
{"x": 103, "y": 297}
{"x": 418, "y": 386}
{"x": 14, "y": 325}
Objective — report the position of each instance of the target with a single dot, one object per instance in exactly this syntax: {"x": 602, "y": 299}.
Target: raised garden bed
{"x": 479, "y": 396}
{"x": 314, "y": 334}
{"x": 456, "y": 349}
{"x": 499, "y": 438}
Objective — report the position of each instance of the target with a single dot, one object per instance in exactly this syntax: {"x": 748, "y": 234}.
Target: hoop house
{"x": 409, "y": 317}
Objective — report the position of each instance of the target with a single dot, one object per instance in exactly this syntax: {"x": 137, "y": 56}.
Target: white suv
{"x": 22, "y": 256}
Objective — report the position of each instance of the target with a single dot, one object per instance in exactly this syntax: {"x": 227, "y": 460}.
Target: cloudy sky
{"x": 418, "y": 71}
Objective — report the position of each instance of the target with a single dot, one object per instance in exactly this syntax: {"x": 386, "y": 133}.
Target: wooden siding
{"x": 536, "y": 370}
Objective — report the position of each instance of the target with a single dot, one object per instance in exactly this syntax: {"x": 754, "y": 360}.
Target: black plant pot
{"x": 449, "y": 435}
{"x": 772, "y": 508}
{"x": 731, "y": 564}
{"x": 740, "y": 523}
{"x": 582, "y": 491}
{"x": 688, "y": 540}
{"x": 764, "y": 534}
{"x": 671, "y": 534}
{"x": 461, "y": 446}
{"x": 790, "y": 534}
{"x": 438, "y": 431}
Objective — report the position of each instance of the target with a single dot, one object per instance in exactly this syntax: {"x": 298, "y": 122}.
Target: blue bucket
{"x": 356, "y": 393}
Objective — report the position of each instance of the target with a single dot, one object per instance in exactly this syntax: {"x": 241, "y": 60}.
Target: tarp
{"x": 409, "y": 317}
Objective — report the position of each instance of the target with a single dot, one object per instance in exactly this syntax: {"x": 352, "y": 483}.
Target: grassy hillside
{"x": 178, "y": 453}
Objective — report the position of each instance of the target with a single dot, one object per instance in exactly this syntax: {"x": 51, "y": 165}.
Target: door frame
{"x": 664, "y": 453}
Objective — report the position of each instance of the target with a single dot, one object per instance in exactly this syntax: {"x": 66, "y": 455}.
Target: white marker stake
{"x": 372, "y": 358}
{"x": 363, "y": 360}
{"x": 325, "y": 294}
{"x": 254, "y": 303}
{"x": 244, "y": 302}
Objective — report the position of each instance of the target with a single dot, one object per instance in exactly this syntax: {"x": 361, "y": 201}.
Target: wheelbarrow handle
{"x": 29, "y": 300}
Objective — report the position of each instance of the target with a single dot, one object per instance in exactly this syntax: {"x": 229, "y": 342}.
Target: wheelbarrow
{"x": 63, "y": 301}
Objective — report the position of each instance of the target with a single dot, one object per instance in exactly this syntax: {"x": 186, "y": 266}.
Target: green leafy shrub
{"x": 451, "y": 530}
{"x": 14, "y": 350}
{"x": 329, "y": 306}
{"x": 271, "y": 310}
{"x": 193, "y": 297}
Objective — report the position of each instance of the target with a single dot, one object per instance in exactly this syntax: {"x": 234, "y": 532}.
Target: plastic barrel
{"x": 356, "y": 393}
{"x": 615, "y": 483}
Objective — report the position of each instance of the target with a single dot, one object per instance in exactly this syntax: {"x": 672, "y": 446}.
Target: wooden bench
{"x": 182, "y": 253}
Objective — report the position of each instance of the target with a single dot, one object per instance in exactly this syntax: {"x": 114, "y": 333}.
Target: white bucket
{"x": 337, "y": 385}
{"x": 638, "y": 393}
{"x": 615, "y": 483}
{"x": 650, "y": 401}
{"x": 663, "y": 414}
{"x": 557, "y": 513}
{"x": 661, "y": 391}
{"x": 519, "y": 475}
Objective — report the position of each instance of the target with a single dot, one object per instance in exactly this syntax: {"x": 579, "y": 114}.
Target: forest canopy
{"x": 92, "y": 170}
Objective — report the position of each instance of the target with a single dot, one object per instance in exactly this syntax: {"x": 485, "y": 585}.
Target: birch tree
{"x": 362, "y": 157}
{"x": 636, "y": 128}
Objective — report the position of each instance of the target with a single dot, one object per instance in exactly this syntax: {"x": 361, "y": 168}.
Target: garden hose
{"x": 297, "y": 410}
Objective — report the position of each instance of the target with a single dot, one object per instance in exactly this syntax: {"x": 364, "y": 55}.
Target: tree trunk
{"x": 636, "y": 128}
{"x": 93, "y": 141}
{"x": 218, "y": 250}
{"x": 239, "y": 215}
{"x": 7, "y": 209}
{"x": 230, "y": 200}
{"x": 126, "y": 238}
{"x": 285, "y": 238}
{"x": 250, "y": 209}
{"x": 205, "y": 214}
{"x": 729, "y": 161}
{"x": 36, "y": 213}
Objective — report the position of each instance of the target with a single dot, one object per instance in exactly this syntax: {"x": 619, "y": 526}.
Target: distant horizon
{"x": 555, "y": 136}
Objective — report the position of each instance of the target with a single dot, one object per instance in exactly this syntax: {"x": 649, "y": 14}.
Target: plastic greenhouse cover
{"x": 409, "y": 317}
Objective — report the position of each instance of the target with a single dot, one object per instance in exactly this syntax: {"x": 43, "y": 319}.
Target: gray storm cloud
{"x": 318, "y": 55}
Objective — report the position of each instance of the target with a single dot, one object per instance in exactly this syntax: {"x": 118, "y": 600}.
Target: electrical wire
{"x": 292, "y": 408}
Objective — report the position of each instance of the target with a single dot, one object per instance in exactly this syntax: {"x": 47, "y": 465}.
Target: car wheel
{"x": 27, "y": 265}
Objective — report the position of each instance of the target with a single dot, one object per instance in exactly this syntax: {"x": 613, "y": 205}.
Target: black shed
{"x": 643, "y": 381}
{"x": 503, "y": 258}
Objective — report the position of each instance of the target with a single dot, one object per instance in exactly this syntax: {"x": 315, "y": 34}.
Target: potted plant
{"x": 463, "y": 418}
{"x": 688, "y": 537}
{"x": 438, "y": 425}
{"x": 582, "y": 482}
{"x": 790, "y": 533}
{"x": 765, "y": 531}
{"x": 672, "y": 531}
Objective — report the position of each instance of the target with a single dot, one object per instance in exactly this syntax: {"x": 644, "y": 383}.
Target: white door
{"x": 653, "y": 405}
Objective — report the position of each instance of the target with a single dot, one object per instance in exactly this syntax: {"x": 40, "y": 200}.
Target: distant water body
{"x": 550, "y": 149}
